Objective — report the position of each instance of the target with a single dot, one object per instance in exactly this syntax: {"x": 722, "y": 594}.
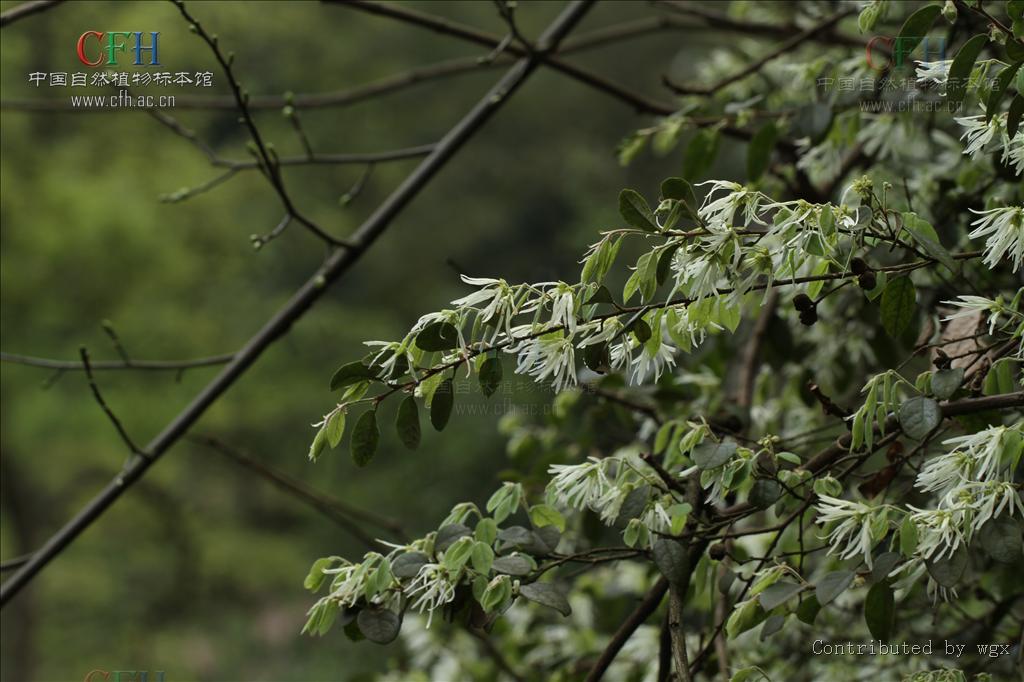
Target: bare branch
{"x": 26, "y": 9}
{"x": 346, "y": 516}
{"x": 637, "y": 101}
{"x": 106, "y": 365}
{"x": 106, "y": 408}
{"x": 337, "y": 263}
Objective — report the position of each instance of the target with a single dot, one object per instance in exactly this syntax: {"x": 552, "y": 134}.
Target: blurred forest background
{"x": 198, "y": 570}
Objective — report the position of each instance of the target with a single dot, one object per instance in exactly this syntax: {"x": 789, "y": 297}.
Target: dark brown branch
{"x": 26, "y": 9}
{"x": 338, "y": 262}
{"x": 342, "y": 514}
{"x": 722, "y": 22}
{"x": 840, "y": 447}
{"x": 637, "y": 618}
{"x": 106, "y": 408}
{"x": 268, "y": 161}
{"x": 106, "y": 365}
{"x": 440, "y": 25}
{"x": 755, "y": 66}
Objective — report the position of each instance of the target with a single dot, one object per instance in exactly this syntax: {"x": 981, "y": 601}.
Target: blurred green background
{"x": 198, "y": 570}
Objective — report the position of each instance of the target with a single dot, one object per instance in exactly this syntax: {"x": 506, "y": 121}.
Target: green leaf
{"x": 597, "y": 357}
{"x": 316, "y": 575}
{"x": 764, "y": 493}
{"x": 832, "y": 585}
{"x": 486, "y": 530}
{"x": 634, "y": 210}
{"x": 772, "y": 625}
{"x": 925, "y": 235}
{"x": 808, "y": 610}
{"x": 321, "y": 618}
{"x": 514, "y": 564}
{"x": 672, "y": 560}
{"x": 319, "y": 443}
{"x": 899, "y": 304}
{"x": 908, "y": 537}
{"x": 542, "y": 515}
{"x": 665, "y": 264}
{"x": 710, "y": 455}
{"x": 999, "y": 88}
{"x": 490, "y": 376}
{"x": 407, "y": 423}
{"x": 647, "y": 276}
{"x": 482, "y": 557}
{"x": 963, "y": 64}
{"x": 759, "y": 151}
{"x": 441, "y": 407}
{"x": 749, "y": 674}
{"x": 745, "y": 616}
{"x": 548, "y": 595}
{"x": 438, "y": 336}
{"x": 634, "y": 504}
{"x": 458, "y": 553}
{"x": 351, "y": 373}
{"x": 408, "y": 565}
{"x": 883, "y": 565}
{"x": 948, "y": 570}
{"x": 1016, "y": 112}
{"x": 1001, "y": 539}
{"x": 641, "y": 330}
{"x": 880, "y": 611}
{"x": 945, "y": 382}
{"x": 379, "y": 625}
{"x": 600, "y": 295}
{"x": 335, "y": 428}
{"x": 365, "y": 436}
{"x": 919, "y": 416}
{"x": 779, "y": 593}
{"x": 700, "y": 154}
{"x": 915, "y": 28}
{"x": 680, "y": 189}
{"x": 999, "y": 378}
{"x": 450, "y": 534}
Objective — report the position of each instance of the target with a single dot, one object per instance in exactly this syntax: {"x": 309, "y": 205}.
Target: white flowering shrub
{"x": 791, "y": 402}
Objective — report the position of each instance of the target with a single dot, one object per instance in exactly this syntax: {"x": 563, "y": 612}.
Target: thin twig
{"x": 106, "y": 408}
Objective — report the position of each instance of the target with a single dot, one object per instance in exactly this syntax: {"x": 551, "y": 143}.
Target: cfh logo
{"x": 884, "y": 52}
{"x": 124, "y": 676}
{"x": 92, "y": 45}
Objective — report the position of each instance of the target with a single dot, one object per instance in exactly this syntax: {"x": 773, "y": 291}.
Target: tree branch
{"x": 337, "y": 263}
{"x": 440, "y": 25}
{"x": 26, "y": 9}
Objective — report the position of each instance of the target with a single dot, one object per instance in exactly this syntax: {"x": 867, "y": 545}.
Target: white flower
{"x": 971, "y": 304}
{"x": 937, "y": 72}
{"x": 979, "y": 133}
{"x": 432, "y": 587}
{"x": 349, "y": 581}
{"x": 548, "y": 357}
{"x": 563, "y": 310}
{"x": 940, "y": 531}
{"x": 1013, "y": 152}
{"x": 1004, "y": 229}
{"x": 580, "y": 486}
{"x": 718, "y": 213}
{"x": 856, "y": 526}
{"x": 653, "y": 362}
{"x": 496, "y": 302}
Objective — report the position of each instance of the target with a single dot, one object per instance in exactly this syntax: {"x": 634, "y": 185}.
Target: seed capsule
{"x": 803, "y": 302}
